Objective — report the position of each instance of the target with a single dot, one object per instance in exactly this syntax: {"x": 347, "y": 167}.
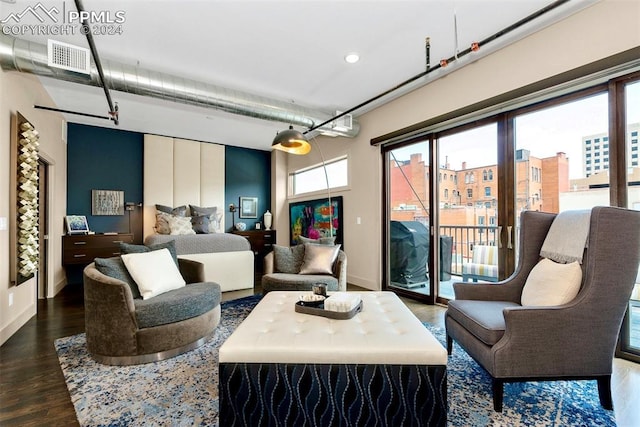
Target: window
{"x": 487, "y": 191}
{"x": 314, "y": 178}
{"x": 469, "y": 193}
{"x": 446, "y": 193}
{"x": 490, "y": 175}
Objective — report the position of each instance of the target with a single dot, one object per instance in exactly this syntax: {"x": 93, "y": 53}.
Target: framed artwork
{"x": 315, "y": 219}
{"x": 76, "y": 224}
{"x": 248, "y": 207}
{"x": 107, "y": 202}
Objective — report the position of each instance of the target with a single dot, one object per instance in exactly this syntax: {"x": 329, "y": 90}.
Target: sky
{"x": 544, "y": 133}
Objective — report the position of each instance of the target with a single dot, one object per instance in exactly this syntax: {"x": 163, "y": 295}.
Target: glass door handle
{"x": 509, "y": 244}
{"x": 499, "y": 237}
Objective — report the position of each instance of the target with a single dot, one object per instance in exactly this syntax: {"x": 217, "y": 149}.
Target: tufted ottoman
{"x": 382, "y": 367}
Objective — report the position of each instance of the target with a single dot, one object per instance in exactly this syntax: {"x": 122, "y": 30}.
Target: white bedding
{"x": 228, "y": 259}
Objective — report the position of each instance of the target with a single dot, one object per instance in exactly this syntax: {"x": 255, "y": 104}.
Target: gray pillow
{"x": 199, "y": 211}
{"x": 179, "y": 211}
{"x": 200, "y": 224}
{"x": 115, "y": 268}
{"x": 128, "y": 248}
{"x": 287, "y": 260}
{"x": 212, "y": 213}
{"x": 330, "y": 241}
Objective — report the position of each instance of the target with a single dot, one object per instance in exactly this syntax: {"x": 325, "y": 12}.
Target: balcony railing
{"x": 465, "y": 237}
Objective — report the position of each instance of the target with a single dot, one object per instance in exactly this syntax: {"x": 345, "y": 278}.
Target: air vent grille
{"x": 69, "y": 57}
{"x": 344, "y": 123}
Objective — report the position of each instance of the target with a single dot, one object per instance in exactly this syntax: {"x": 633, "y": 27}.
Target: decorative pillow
{"x": 115, "y": 268}
{"x": 162, "y": 223}
{"x": 128, "y": 248}
{"x": 287, "y": 260}
{"x": 180, "y": 225}
{"x": 215, "y": 217}
{"x": 179, "y": 211}
{"x": 551, "y": 283}
{"x": 319, "y": 259}
{"x": 200, "y": 224}
{"x": 153, "y": 272}
{"x": 321, "y": 241}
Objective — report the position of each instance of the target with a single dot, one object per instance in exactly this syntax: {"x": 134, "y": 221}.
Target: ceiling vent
{"x": 68, "y": 57}
{"x": 344, "y": 123}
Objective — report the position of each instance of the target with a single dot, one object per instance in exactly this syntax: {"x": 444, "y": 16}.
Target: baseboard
{"x": 58, "y": 287}
{"x": 8, "y": 331}
{"x": 362, "y": 282}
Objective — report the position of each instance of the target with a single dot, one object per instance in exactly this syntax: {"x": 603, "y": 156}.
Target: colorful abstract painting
{"x": 314, "y": 219}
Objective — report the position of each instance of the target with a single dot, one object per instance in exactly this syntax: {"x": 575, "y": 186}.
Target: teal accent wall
{"x": 247, "y": 174}
{"x": 104, "y": 159}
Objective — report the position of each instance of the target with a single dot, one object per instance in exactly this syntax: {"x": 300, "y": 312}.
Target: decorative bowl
{"x": 241, "y": 226}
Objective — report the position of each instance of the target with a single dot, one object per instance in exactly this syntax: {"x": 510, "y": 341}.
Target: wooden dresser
{"x": 83, "y": 249}
{"x": 261, "y": 241}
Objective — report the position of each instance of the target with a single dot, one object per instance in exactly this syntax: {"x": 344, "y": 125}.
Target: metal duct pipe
{"x": 30, "y": 57}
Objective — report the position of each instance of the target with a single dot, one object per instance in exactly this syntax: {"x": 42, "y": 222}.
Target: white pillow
{"x": 180, "y": 225}
{"x": 154, "y": 272}
{"x": 551, "y": 283}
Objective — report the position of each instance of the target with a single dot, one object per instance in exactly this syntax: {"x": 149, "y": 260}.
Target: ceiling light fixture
{"x": 352, "y": 58}
{"x": 291, "y": 141}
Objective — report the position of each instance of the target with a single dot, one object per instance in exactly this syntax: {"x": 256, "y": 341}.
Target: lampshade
{"x": 291, "y": 141}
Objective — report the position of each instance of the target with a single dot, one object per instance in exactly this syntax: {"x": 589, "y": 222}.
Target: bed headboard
{"x": 181, "y": 172}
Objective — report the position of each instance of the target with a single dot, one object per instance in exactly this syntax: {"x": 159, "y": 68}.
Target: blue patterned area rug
{"x": 183, "y": 391}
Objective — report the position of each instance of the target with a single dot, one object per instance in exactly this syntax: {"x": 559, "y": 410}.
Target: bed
{"x": 228, "y": 259}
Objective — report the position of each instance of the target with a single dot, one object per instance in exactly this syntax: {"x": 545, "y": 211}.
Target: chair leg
{"x": 498, "y": 391}
{"x": 449, "y": 345}
{"x": 604, "y": 392}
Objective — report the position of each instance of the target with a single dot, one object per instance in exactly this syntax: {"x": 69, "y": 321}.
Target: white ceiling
{"x": 288, "y": 50}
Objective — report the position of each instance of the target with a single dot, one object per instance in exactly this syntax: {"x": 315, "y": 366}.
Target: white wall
{"x": 20, "y": 92}
{"x": 607, "y": 28}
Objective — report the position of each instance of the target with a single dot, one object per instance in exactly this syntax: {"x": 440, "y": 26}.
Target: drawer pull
{"x": 79, "y": 243}
{"x": 79, "y": 255}
{"x": 117, "y": 241}
{"x": 115, "y": 253}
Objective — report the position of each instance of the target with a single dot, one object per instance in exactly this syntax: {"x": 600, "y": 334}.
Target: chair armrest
{"x": 192, "y": 271}
{"x": 268, "y": 263}
{"x": 109, "y": 314}
{"x": 507, "y": 290}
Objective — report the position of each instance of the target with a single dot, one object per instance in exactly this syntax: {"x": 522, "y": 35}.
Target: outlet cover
{"x": 10, "y": 299}
{"x": 3, "y": 223}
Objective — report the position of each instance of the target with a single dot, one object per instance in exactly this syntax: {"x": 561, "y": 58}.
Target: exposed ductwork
{"x": 30, "y": 57}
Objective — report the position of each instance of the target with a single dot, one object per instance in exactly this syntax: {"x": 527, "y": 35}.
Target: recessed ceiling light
{"x": 352, "y": 58}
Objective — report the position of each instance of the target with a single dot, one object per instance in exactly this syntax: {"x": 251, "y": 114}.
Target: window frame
{"x": 323, "y": 191}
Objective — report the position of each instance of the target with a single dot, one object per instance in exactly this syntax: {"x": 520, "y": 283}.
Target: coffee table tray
{"x": 302, "y": 307}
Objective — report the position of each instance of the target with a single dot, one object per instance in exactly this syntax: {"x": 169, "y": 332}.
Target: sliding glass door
{"x": 439, "y": 220}
{"x": 408, "y": 226}
{"x": 468, "y": 207}
{"x": 629, "y": 346}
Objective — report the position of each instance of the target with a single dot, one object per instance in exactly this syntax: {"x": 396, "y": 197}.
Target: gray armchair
{"x": 274, "y": 280}
{"x": 574, "y": 341}
{"x": 124, "y": 330}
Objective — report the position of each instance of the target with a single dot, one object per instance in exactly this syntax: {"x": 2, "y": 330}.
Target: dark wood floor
{"x": 32, "y": 387}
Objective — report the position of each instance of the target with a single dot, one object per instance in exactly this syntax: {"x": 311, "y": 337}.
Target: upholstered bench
{"x": 382, "y": 367}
